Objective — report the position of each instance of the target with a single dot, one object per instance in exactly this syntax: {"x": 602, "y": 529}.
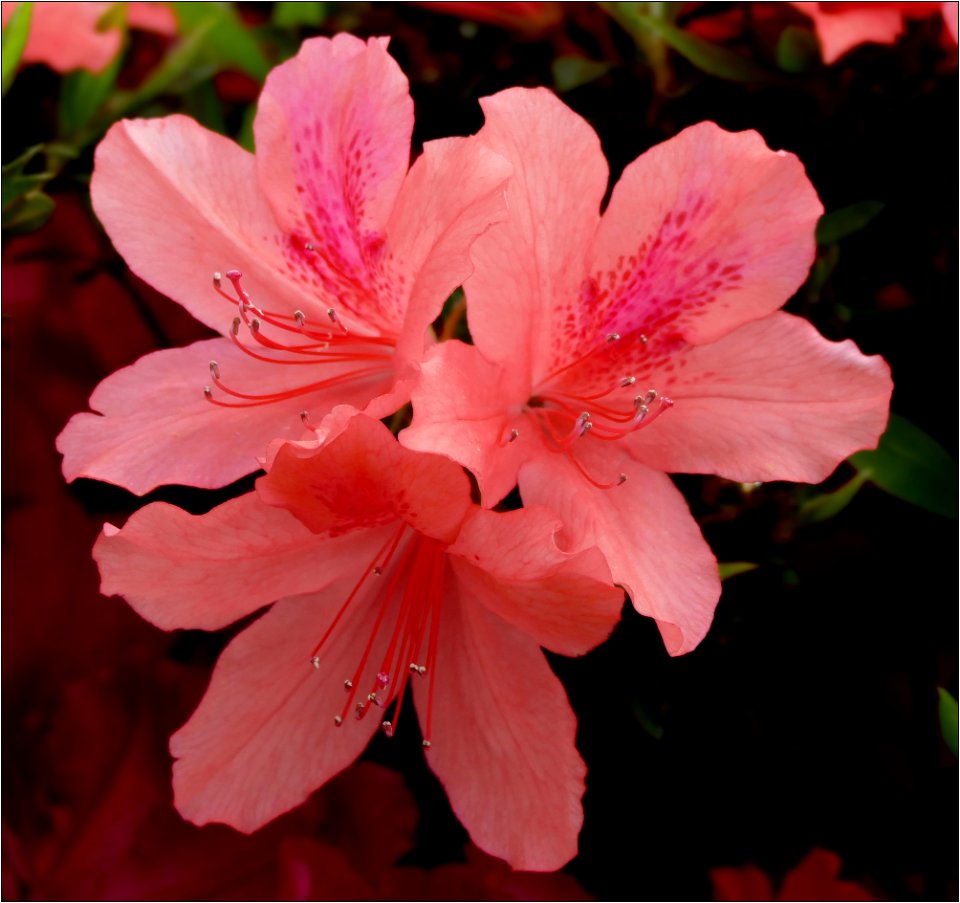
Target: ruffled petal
{"x": 772, "y": 401}
{"x": 511, "y": 564}
{"x": 65, "y": 36}
{"x": 703, "y": 233}
{"x": 333, "y": 133}
{"x": 465, "y": 407}
{"x": 153, "y": 425}
{"x": 502, "y": 740}
{"x": 181, "y": 203}
{"x": 453, "y": 193}
{"x": 202, "y": 573}
{"x": 527, "y": 265}
{"x": 644, "y": 529}
{"x": 264, "y": 738}
{"x": 361, "y": 478}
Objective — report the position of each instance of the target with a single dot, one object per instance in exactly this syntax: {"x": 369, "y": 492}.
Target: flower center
{"x": 410, "y": 602}
{"x": 289, "y": 340}
{"x": 565, "y": 410}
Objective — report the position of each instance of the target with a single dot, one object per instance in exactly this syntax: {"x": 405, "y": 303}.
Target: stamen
{"x": 337, "y": 720}
{"x": 613, "y": 337}
{"x": 315, "y": 661}
{"x": 216, "y": 280}
{"x": 387, "y": 728}
{"x": 215, "y": 369}
{"x": 627, "y": 381}
{"x": 300, "y": 317}
{"x": 512, "y": 436}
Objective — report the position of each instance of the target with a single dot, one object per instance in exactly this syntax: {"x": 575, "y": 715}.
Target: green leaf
{"x": 730, "y": 569}
{"x": 650, "y": 726}
{"x": 830, "y": 504}
{"x": 948, "y": 720}
{"x": 12, "y": 42}
{"x": 82, "y": 94}
{"x": 571, "y": 72}
{"x": 912, "y": 466}
{"x": 705, "y": 56}
{"x": 227, "y": 44}
{"x": 28, "y": 213}
{"x": 845, "y": 221}
{"x": 291, "y": 15}
{"x": 798, "y": 50}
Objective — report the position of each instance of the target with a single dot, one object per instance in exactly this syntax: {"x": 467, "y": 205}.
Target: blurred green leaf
{"x": 203, "y": 104}
{"x": 12, "y": 42}
{"x": 912, "y": 466}
{"x": 845, "y": 221}
{"x": 227, "y": 44}
{"x": 830, "y": 504}
{"x": 291, "y": 15}
{"x": 571, "y": 72}
{"x": 705, "y": 56}
{"x": 24, "y": 204}
{"x": 823, "y": 266}
{"x": 730, "y": 569}
{"x": 82, "y": 94}
{"x": 651, "y": 727}
{"x": 245, "y": 138}
{"x": 28, "y": 213}
{"x": 948, "y": 720}
{"x": 798, "y": 50}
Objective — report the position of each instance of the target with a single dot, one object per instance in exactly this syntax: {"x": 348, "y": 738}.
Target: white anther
{"x": 348, "y": 685}
{"x": 627, "y": 381}
{"x": 643, "y": 339}
{"x": 217, "y": 277}
{"x": 315, "y": 661}
{"x": 337, "y": 720}
{"x": 298, "y": 315}
{"x": 427, "y": 744}
{"x": 387, "y": 728}
{"x": 377, "y": 571}
{"x": 208, "y": 392}
{"x": 613, "y": 337}
{"x": 308, "y": 246}
{"x": 514, "y": 435}
{"x": 215, "y": 369}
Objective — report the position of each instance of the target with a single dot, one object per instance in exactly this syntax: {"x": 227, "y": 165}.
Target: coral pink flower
{"x": 69, "y": 36}
{"x": 346, "y": 258}
{"x": 532, "y": 18}
{"x": 389, "y": 579}
{"x": 815, "y": 878}
{"x": 843, "y": 26}
{"x": 643, "y": 341}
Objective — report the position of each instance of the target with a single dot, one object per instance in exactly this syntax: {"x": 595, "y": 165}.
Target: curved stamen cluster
{"x": 608, "y": 413}
{"x": 314, "y": 345}
{"x": 412, "y": 646}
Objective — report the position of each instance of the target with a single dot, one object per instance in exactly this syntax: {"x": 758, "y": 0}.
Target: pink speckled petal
{"x": 526, "y": 266}
{"x": 333, "y": 133}
{"x": 502, "y": 727}
{"x": 181, "y": 203}
{"x": 772, "y": 401}
{"x": 703, "y": 233}
{"x": 652, "y": 544}
{"x": 153, "y": 426}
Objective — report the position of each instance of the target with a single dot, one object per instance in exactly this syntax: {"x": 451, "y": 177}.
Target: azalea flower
{"x": 608, "y": 350}
{"x": 68, "y": 36}
{"x": 389, "y": 580}
{"x": 322, "y": 261}
{"x": 842, "y": 26}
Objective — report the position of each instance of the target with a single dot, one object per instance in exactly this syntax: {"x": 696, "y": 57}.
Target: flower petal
{"x": 653, "y": 546}
{"x": 180, "y": 203}
{"x": 361, "y": 478}
{"x": 263, "y": 737}
{"x": 772, "y": 401}
{"x": 502, "y": 740}
{"x": 333, "y": 133}
{"x": 65, "y": 36}
{"x": 462, "y": 407}
{"x": 153, "y": 425}
{"x": 538, "y": 256}
{"x": 453, "y": 193}
{"x": 854, "y": 24}
{"x": 511, "y": 564}
{"x": 703, "y": 233}
{"x": 181, "y": 571}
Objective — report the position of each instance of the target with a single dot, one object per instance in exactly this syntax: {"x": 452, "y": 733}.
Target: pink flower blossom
{"x": 68, "y": 36}
{"x": 843, "y": 26}
{"x": 388, "y": 579}
{"x": 322, "y": 261}
{"x": 609, "y": 349}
